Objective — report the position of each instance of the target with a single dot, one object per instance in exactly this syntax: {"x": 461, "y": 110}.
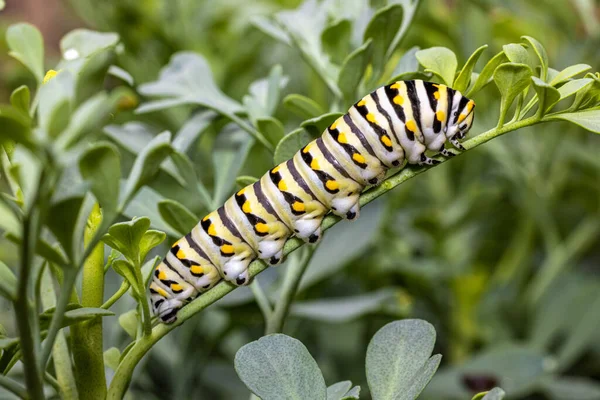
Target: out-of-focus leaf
{"x": 20, "y": 99}
{"x": 511, "y": 80}
{"x": 121, "y": 74}
{"x": 399, "y": 363}
{"x": 589, "y": 120}
{"x": 408, "y": 62}
{"x": 494, "y": 394}
{"x": 55, "y": 99}
{"x": 570, "y": 388}
{"x": 548, "y": 95}
{"x": 271, "y": 128}
{"x": 485, "y": 77}
{"x": 461, "y": 83}
{"x": 81, "y": 43}
{"x": 16, "y": 126}
{"x": 336, "y": 38}
{"x": 316, "y": 126}
{"x": 62, "y": 220}
{"x": 27, "y": 45}
{"x": 8, "y": 282}
{"x": 381, "y": 30}
{"x": 280, "y": 367}
{"x": 147, "y": 164}
{"x": 353, "y": 69}
{"x": 263, "y": 97}
{"x": 176, "y": 215}
{"x": 343, "y": 390}
{"x": 127, "y": 271}
{"x": 111, "y": 358}
{"x": 290, "y": 144}
{"x": 146, "y": 203}
{"x": 9, "y": 221}
{"x": 185, "y": 168}
{"x": 271, "y": 29}
{"x": 101, "y": 165}
{"x": 569, "y": 72}
{"x": 302, "y": 106}
{"x": 129, "y": 323}
{"x": 439, "y": 61}
{"x": 243, "y": 181}
{"x": 187, "y": 79}
{"x": 74, "y": 314}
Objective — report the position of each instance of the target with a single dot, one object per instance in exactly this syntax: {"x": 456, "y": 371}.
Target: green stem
{"x": 86, "y": 337}
{"x": 261, "y": 299}
{"x": 248, "y": 128}
{"x": 124, "y": 372}
{"x": 147, "y": 318}
{"x": 118, "y": 294}
{"x": 13, "y": 387}
{"x": 289, "y": 288}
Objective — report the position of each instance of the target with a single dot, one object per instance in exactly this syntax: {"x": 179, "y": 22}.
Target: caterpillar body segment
{"x": 393, "y": 124}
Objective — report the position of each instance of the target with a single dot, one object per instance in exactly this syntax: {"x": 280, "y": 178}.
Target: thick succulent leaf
{"x": 27, "y": 45}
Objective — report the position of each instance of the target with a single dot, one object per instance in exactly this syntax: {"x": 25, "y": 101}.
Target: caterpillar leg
{"x": 427, "y": 160}
{"x": 454, "y": 141}
{"x": 447, "y": 153}
{"x": 235, "y": 268}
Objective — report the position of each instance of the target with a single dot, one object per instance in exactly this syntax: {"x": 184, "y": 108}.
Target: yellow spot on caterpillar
{"x": 361, "y": 103}
{"x": 161, "y": 275}
{"x": 440, "y": 115}
{"x": 399, "y": 100}
{"x": 470, "y": 105}
{"x": 227, "y": 249}
{"x": 334, "y": 125}
{"x": 49, "y": 75}
{"x": 180, "y": 254}
{"x": 174, "y": 244}
{"x": 371, "y": 118}
{"x": 386, "y": 140}
{"x": 262, "y": 228}
{"x": 342, "y": 138}
{"x": 411, "y": 125}
{"x": 211, "y": 230}
{"x": 176, "y": 287}
{"x": 246, "y": 207}
{"x": 358, "y": 158}
{"x": 196, "y": 269}
{"x": 436, "y": 95}
{"x": 461, "y": 117}
{"x": 162, "y": 292}
{"x": 395, "y": 85}
{"x": 298, "y": 206}
{"x": 205, "y": 218}
{"x": 282, "y": 186}
{"x": 276, "y": 169}
{"x": 241, "y": 192}
{"x": 306, "y": 149}
{"x": 314, "y": 164}
{"x": 332, "y": 185}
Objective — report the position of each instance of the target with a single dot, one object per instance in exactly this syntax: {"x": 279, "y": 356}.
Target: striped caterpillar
{"x": 394, "y": 123}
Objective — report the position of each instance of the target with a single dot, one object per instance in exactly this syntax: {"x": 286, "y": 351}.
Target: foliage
{"x": 134, "y": 135}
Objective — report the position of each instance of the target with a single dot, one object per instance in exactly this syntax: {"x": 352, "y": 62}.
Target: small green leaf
{"x": 540, "y": 51}
{"x": 20, "y": 98}
{"x": 461, "y": 83}
{"x": 569, "y": 73}
{"x": 9, "y": 222}
{"x": 494, "y": 394}
{"x": 336, "y": 38}
{"x": 548, "y": 95}
{"x": 16, "y": 126}
{"x": 5, "y": 343}
{"x": 353, "y": 69}
{"x": 290, "y": 144}
{"x": 185, "y": 168}
{"x": 176, "y": 215}
{"x": 146, "y": 165}
{"x": 342, "y": 391}
{"x": 126, "y": 236}
{"x": 316, "y": 126}
{"x": 511, "y": 80}
{"x": 243, "y": 181}
{"x": 120, "y": 73}
{"x": 570, "y": 388}
{"x": 27, "y": 45}
{"x": 589, "y": 120}
{"x": 302, "y": 106}
{"x": 62, "y": 221}
{"x": 574, "y": 86}
{"x": 398, "y": 362}
{"x": 129, "y": 323}
{"x": 75, "y": 313}
{"x": 280, "y": 367}
{"x": 111, "y": 358}
{"x": 271, "y": 29}
{"x": 55, "y": 99}
{"x": 516, "y": 53}
{"x": 271, "y": 128}
{"x": 382, "y": 29}
{"x": 263, "y": 97}
{"x": 150, "y": 240}
{"x": 440, "y": 61}
{"x": 8, "y": 282}
{"x": 81, "y": 43}
{"x": 485, "y": 77}
{"x": 101, "y": 165}
{"x": 127, "y": 271}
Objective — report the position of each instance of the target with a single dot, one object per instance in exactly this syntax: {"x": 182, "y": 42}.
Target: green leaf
{"x": 148, "y": 268}
{"x": 120, "y": 73}
{"x": 290, "y": 144}
{"x": 382, "y": 29}
{"x": 353, "y": 69}
{"x": 16, "y": 126}
{"x": 127, "y": 271}
{"x": 243, "y": 181}
{"x": 185, "y": 168}
{"x": 126, "y": 236}
{"x": 511, "y": 80}
{"x": 27, "y": 45}
{"x": 8, "y": 282}
{"x": 548, "y": 95}
{"x": 494, "y": 394}
{"x": 74, "y": 314}
{"x": 271, "y": 29}
{"x": 589, "y": 120}
{"x": 187, "y": 79}
{"x": 461, "y": 83}
{"x": 62, "y": 221}
{"x": 101, "y": 165}
{"x": 336, "y": 38}
{"x": 516, "y": 53}
{"x": 263, "y": 97}
{"x": 574, "y": 86}
{"x": 146, "y": 165}
{"x": 150, "y": 240}
{"x": 111, "y": 358}
{"x": 55, "y": 100}
{"x": 302, "y": 106}
{"x": 146, "y": 203}
{"x": 570, "y": 388}
{"x": 485, "y": 77}
{"x": 540, "y": 51}
{"x": 398, "y": 362}
{"x": 280, "y": 367}
{"x": 8, "y": 220}
{"x": 20, "y": 98}
{"x": 129, "y": 323}
{"x": 569, "y": 73}
{"x": 440, "y": 61}
{"x": 81, "y": 43}
{"x": 316, "y": 126}
{"x": 271, "y": 128}
{"x": 343, "y": 390}
{"x": 176, "y": 215}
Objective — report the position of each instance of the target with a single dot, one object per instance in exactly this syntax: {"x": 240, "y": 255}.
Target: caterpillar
{"x": 393, "y": 124}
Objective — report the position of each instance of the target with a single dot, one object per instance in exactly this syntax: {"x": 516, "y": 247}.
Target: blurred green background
{"x": 499, "y": 249}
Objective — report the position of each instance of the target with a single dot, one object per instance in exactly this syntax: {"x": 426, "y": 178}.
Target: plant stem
{"x": 261, "y": 299}
{"x": 248, "y": 128}
{"x": 115, "y": 297}
{"x": 13, "y": 387}
{"x": 86, "y": 337}
{"x": 124, "y": 372}
{"x": 291, "y": 282}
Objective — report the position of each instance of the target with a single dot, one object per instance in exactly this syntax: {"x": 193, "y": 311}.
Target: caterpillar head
{"x": 461, "y": 118}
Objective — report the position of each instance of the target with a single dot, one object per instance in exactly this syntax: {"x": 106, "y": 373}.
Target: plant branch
{"x": 251, "y": 130}
{"x": 118, "y": 294}
{"x": 261, "y": 299}
{"x": 13, "y": 387}
{"x": 124, "y": 372}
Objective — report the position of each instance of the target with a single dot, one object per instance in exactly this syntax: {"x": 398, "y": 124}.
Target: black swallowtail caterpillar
{"x": 394, "y": 123}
